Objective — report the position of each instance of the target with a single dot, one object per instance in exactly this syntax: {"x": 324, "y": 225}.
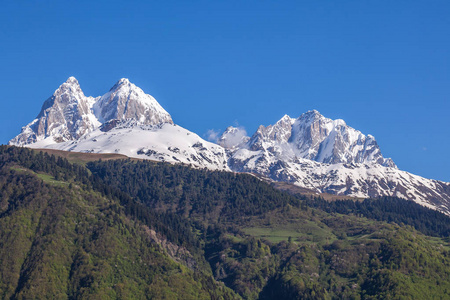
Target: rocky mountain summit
{"x": 125, "y": 120}
{"x": 312, "y": 137}
{"x": 311, "y": 151}
{"x": 68, "y": 114}
{"x": 125, "y": 101}
{"x": 327, "y": 156}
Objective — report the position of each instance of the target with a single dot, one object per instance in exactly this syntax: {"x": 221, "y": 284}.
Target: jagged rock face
{"x": 266, "y": 137}
{"x": 126, "y": 101}
{"x": 66, "y": 115}
{"x": 332, "y": 141}
{"x": 312, "y": 137}
{"x": 317, "y": 138}
{"x": 327, "y": 156}
{"x": 125, "y": 120}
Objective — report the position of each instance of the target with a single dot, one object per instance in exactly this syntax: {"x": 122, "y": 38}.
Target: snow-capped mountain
{"x": 233, "y": 137}
{"x": 66, "y": 115}
{"x": 328, "y": 156}
{"x": 125, "y": 101}
{"x": 314, "y": 137}
{"x": 125, "y": 120}
{"x": 311, "y": 151}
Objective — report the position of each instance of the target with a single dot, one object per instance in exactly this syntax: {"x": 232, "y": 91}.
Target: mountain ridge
{"x": 328, "y": 156}
{"x": 310, "y": 151}
{"x": 314, "y": 137}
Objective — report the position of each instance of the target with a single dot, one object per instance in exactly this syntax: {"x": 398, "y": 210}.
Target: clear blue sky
{"x": 382, "y": 66}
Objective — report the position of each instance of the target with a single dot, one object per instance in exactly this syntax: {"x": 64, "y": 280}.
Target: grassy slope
{"x": 349, "y": 257}
{"x": 82, "y": 158}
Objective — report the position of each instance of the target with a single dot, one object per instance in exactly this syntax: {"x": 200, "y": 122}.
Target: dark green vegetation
{"x": 390, "y": 209}
{"x": 135, "y": 230}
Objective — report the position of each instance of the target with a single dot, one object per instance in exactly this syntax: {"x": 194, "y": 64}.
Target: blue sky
{"x": 382, "y": 66}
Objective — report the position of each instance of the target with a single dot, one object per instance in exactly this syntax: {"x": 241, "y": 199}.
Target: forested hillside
{"x": 140, "y": 229}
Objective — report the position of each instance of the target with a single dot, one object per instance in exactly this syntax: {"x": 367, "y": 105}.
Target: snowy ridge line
{"x": 311, "y": 151}
{"x": 328, "y": 156}
{"x": 68, "y": 114}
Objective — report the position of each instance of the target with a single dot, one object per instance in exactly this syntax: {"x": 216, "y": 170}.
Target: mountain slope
{"x": 65, "y": 116}
{"x": 125, "y": 101}
{"x": 125, "y": 120}
{"x": 311, "y": 151}
{"x": 328, "y": 156}
{"x": 68, "y": 114}
{"x": 313, "y": 137}
{"x": 141, "y": 229}
{"x": 168, "y": 142}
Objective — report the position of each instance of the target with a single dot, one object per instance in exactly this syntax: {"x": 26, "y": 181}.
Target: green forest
{"x": 130, "y": 229}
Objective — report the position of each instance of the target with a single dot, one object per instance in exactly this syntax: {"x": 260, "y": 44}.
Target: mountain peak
{"x": 71, "y": 88}
{"x": 285, "y": 119}
{"x": 68, "y": 113}
{"x": 315, "y": 137}
{"x": 311, "y": 114}
{"x": 70, "y": 85}
{"x": 126, "y": 101}
{"x": 72, "y": 80}
{"x": 233, "y": 137}
{"x": 123, "y": 82}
